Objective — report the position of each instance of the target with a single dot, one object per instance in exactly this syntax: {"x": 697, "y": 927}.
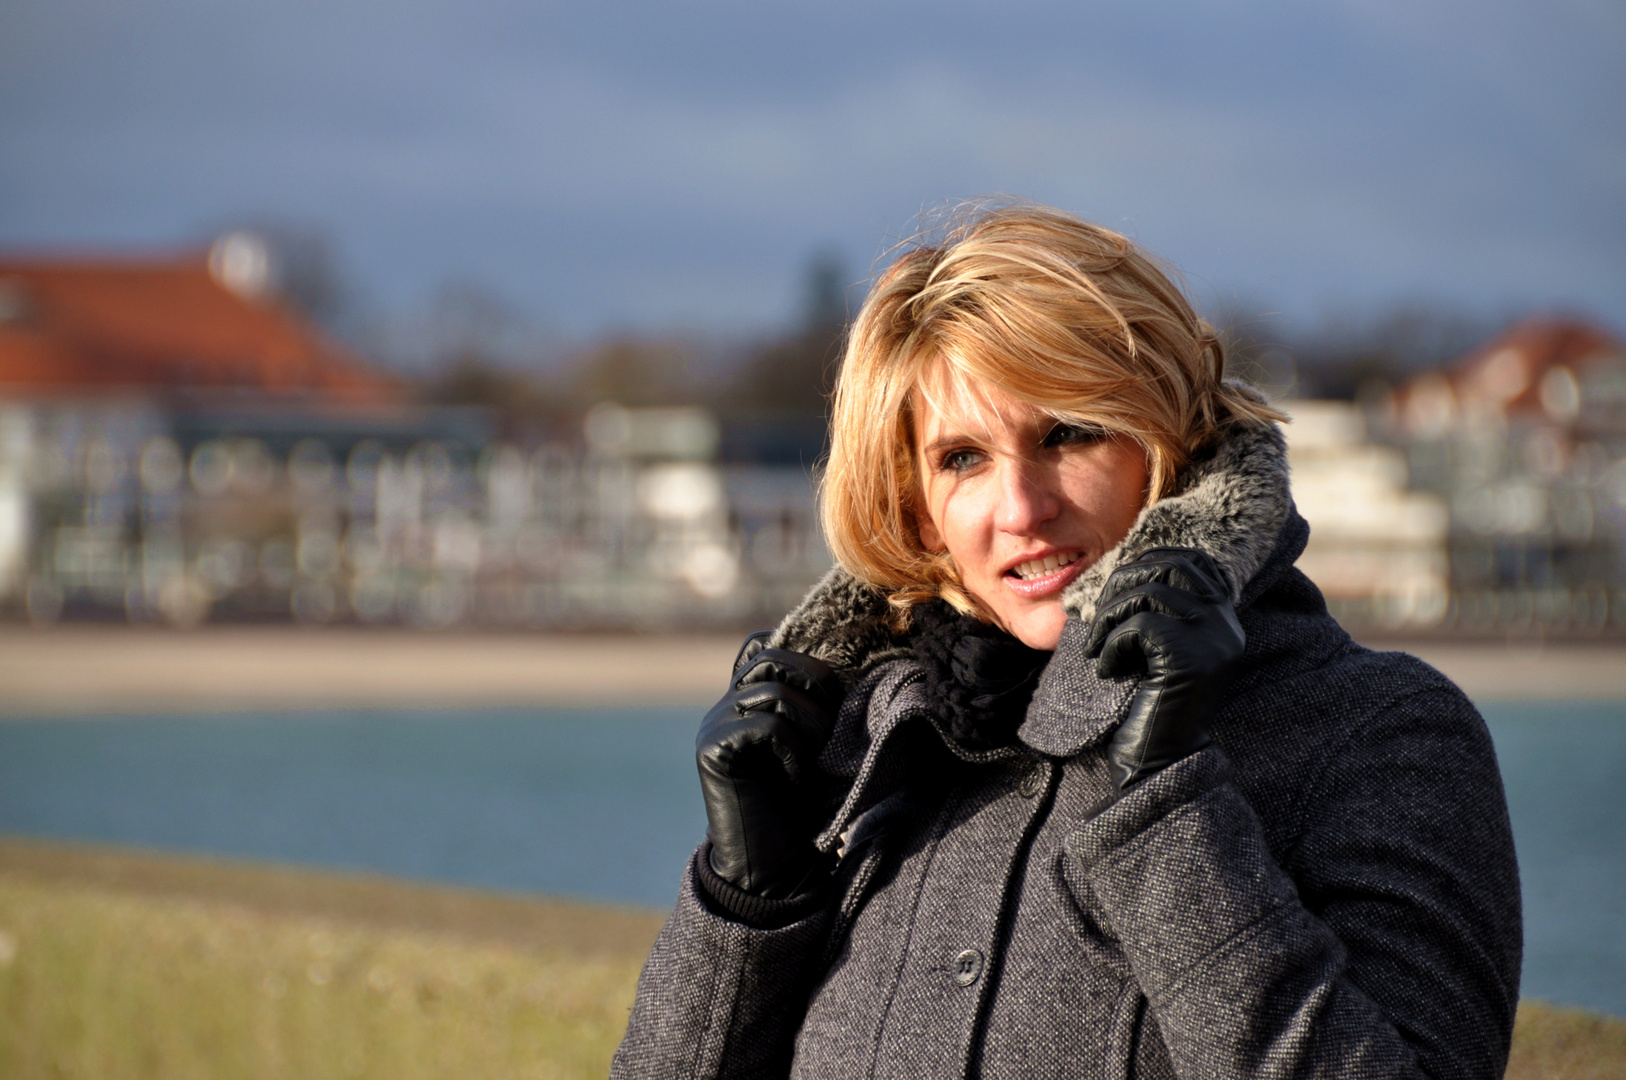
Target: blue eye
{"x": 960, "y": 460}
{"x": 1069, "y": 434}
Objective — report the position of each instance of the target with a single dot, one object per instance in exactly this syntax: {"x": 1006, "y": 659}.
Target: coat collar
{"x": 1235, "y": 505}
{"x": 1073, "y": 708}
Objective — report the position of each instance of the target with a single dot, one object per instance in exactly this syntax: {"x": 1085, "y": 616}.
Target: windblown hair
{"x": 1061, "y": 314}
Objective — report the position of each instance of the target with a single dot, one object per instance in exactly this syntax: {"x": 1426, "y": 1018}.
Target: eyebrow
{"x": 936, "y": 446}
{"x": 961, "y": 438}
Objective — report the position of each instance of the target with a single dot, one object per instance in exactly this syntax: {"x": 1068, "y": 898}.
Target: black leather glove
{"x": 758, "y": 751}
{"x": 1167, "y": 614}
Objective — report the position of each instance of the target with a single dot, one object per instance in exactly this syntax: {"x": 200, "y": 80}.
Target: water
{"x": 1564, "y": 766}
{"x": 598, "y": 803}
{"x": 603, "y": 803}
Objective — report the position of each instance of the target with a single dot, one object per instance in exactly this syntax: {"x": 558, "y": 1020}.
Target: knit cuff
{"x": 757, "y": 912}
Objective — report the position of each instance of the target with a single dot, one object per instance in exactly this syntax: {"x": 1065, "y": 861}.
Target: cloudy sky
{"x": 625, "y": 163}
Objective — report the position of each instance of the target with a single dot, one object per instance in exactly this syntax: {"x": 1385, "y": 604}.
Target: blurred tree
{"x": 1347, "y": 356}
{"x": 463, "y": 326}
{"x": 479, "y": 350}
{"x": 794, "y": 376}
{"x": 472, "y": 381}
{"x": 1352, "y": 356}
{"x": 308, "y": 278}
{"x": 1256, "y": 349}
{"x": 826, "y": 302}
{"x": 468, "y": 321}
{"x": 637, "y": 371}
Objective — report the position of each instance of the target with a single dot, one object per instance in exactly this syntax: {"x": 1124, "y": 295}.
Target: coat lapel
{"x": 1073, "y": 708}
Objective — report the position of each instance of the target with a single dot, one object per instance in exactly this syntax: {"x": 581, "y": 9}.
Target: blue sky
{"x": 625, "y": 164}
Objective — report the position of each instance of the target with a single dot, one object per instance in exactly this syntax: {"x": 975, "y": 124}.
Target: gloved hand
{"x": 758, "y": 752}
{"x": 1167, "y": 614}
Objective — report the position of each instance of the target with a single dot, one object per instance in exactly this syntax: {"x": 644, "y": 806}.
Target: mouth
{"x": 1046, "y": 575}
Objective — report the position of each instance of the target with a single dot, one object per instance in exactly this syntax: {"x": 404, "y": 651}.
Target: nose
{"x": 1028, "y": 497}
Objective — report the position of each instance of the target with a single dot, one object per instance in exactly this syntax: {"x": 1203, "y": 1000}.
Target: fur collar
{"x": 1232, "y": 505}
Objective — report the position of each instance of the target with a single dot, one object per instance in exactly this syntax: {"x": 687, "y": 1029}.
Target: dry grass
{"x": 1566, "y": 1044}
{"x": 292, "y": 979}
{"x": 527, "y": 923}
{"x": 118, "y": 966}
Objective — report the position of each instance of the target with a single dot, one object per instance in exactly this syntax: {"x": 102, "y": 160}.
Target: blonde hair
{"x": 1061, "y": 314}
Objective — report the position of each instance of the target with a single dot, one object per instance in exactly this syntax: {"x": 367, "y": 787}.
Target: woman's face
{"x": 1021, "y": 503}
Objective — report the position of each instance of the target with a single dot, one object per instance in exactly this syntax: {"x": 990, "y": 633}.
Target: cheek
{"x": 958, "y": 523}
{"x": 1108, "y": 486}
{"x": 930, "y": 538}
{"x": 928, "y": 511}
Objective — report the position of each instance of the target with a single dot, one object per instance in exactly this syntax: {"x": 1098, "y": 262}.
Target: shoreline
{"x": 538, "y": 922}
{"x": 100, "y": 670}
{"x": 1492, "y": 671}
{"x": 81, "y": 670}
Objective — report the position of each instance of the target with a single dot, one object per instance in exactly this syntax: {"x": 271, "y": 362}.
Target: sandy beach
{"x": 91, "y": 669}
{"x": 78, "y": 670}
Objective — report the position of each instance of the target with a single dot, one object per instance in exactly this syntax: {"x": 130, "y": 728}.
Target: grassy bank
{"x": 115, "y": 966}
{"x": 120, "y": 967}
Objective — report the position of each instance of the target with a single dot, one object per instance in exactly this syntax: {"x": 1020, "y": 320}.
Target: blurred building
{"x": 196, "y": 325}
{"x": 1486, "y": 498}
{"x": 177, "y": 445}
{"x": 1524, "y": 440}
{"x": 1377, "y": 550}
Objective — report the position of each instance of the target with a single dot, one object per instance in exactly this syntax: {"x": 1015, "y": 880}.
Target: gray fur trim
{"x": 1232, "y": 506}
{"x": 843, "y": 622}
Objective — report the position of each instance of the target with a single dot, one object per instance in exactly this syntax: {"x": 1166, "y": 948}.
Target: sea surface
{"x": 604, "y": 804}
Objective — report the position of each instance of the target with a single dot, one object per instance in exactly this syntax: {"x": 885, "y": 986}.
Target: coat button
{"x": 1033, "y": 781}
{"x": 967, "y": 967}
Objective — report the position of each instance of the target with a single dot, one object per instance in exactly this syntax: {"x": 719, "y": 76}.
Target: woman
{"x": 1065, "y": 770}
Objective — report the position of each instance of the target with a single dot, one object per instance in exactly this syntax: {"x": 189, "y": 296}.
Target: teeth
{"x": 1037, "y": 568}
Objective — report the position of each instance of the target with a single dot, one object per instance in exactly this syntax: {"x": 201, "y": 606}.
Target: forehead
{"x": 947, "y": 401}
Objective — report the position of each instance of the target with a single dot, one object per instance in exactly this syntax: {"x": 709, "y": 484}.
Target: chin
{"x": 1039, "y": 629}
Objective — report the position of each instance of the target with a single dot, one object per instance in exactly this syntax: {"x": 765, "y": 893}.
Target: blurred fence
{"x": 1538, "y": 529}
{"x": 126, "y": 511}
{"x": 1493, "y": 528}
{"x": 129, "y": 513}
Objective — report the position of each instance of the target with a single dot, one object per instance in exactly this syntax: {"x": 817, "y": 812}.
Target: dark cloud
{"x": 647, "y": 163}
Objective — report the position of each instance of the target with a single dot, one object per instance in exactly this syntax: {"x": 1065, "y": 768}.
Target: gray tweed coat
{"x": 1329, "y": 890}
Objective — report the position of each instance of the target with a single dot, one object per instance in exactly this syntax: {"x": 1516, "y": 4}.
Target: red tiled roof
{"x": 163, "y": 324}
{"x": 1508, "y": 369}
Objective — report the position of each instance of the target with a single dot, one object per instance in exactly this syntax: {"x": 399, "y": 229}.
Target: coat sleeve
{"x": 717, "y": 997}
{"x": 1389, "y": 945}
